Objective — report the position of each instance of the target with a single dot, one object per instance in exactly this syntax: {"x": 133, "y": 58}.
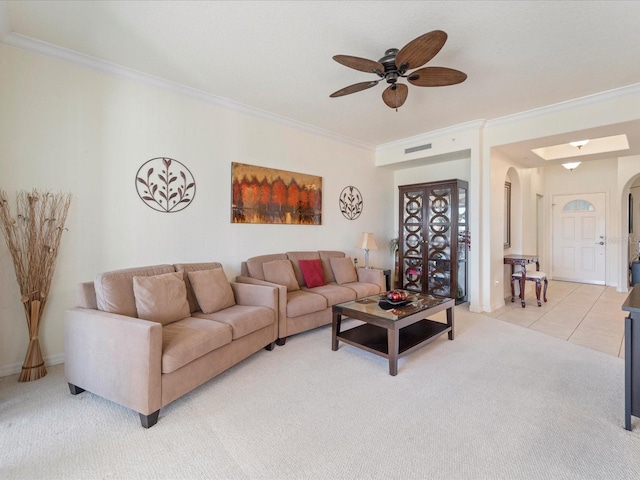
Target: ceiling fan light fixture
{"x": 395, "y": 95}
{"x": 579, "y": 143}
{"x": 571, "y": 165}
{"x": 394, "y": 65}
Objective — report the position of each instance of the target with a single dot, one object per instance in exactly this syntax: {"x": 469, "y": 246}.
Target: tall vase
{"x": 32, "y": 236}
{"x": 33, "y": 367}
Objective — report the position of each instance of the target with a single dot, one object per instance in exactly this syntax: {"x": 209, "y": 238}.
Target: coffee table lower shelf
{"x": 374, "y": 339}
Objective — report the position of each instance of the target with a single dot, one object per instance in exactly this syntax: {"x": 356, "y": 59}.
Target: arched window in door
{"x": 578, "y": 206}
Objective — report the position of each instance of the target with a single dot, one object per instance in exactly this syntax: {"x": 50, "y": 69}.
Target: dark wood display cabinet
{"x": 433, "y": 242}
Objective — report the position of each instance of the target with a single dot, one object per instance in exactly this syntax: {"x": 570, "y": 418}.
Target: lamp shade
{"x": 367, "y": 242}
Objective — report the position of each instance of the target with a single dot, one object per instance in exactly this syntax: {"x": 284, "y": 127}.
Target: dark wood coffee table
{"x": 392, "y": 333}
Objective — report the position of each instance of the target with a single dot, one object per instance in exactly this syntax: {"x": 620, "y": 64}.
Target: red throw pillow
{"x": 312, "y": 272}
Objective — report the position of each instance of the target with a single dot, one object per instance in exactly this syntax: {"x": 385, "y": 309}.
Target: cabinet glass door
{"x": 463, "y": 246}
{"x": 411, "y": 238}
{"x": 439, "y": 241}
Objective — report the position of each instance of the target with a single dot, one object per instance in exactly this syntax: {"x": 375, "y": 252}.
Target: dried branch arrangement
{"x": 33, "y": 237}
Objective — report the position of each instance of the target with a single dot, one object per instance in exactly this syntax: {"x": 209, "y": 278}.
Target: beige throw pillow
{"x": 343, "y": 269}
{"x": 212, "y": 290}
{"x": 281, "y": 272}
{"x": 161, "y": 298}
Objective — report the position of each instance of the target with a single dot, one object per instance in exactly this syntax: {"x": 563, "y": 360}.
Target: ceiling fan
{"x": 395, "y": 65}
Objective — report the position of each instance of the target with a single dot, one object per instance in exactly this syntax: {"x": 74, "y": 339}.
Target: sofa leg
{"x": 75, "y": 390}
{"x": 281, "y": 341}
{"x": 149, "y": 421}
{"x": 271, "y": 346}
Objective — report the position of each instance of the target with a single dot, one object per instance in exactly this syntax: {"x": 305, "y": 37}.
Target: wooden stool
{"x": 534, "y": 276}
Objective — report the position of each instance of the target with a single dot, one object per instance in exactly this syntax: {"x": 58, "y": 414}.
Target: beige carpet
{"x": 498, "y": 402}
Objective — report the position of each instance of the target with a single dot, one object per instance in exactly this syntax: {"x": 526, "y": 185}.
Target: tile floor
{"x": 588, "y": 315}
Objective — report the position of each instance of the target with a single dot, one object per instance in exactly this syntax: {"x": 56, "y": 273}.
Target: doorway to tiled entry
{"x": 588, "y": 315}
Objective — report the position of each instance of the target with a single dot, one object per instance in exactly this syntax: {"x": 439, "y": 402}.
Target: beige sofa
{"x": 302, "y": 306}
{"x": 139, "y": 336}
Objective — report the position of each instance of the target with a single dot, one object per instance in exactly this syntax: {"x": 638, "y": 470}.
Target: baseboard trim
{"x": 14, "y": 369}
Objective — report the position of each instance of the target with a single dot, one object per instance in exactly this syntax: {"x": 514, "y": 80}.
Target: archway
{"x": 630, "y": 223}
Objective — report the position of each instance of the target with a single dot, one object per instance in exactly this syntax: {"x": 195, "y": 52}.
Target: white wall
{"x": 608, "y": 108}
{"x": 69, "y": 128}
{"x": 454, "y": 153}
{"x": 628, "y": 177}
{"x": 633, "y": 252}
{"x": 496, "y": 274}
{"x": 599, "y": 176}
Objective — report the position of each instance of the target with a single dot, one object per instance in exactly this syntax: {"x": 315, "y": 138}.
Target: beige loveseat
{"x": 139, "y": 336}
{"x": 303, "y": 306}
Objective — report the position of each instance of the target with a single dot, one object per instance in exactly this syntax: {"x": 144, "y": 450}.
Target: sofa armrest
{"x": 114, "y": 356}
{"x": 255, "y": 295}
{"x": 282, "y": 297}
{"x": 372, "y": 275}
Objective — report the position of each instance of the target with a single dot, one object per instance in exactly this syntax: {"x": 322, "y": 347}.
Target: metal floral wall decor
{"x": 268, "y": 195}
{"x": 165, "y": 185}
{"x": 351, "y": 203}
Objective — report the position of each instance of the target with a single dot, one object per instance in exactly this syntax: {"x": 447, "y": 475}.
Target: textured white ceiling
{"x": 275, "y": 56}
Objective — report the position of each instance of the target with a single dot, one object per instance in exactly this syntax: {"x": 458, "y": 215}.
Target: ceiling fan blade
{"x": 358, "y": 87}
{"x": 436, "y": 77}
{"x": 358, "y": 63}
{"x": 420, "y": 50}
{"x": 395, "y": 95}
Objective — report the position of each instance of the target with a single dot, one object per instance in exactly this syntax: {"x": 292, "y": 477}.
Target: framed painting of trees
{"x": 269, "y": 195}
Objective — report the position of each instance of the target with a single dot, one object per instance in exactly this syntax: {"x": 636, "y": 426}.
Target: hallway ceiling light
{"x": 571, "y": 165}
{"x": 579, "y": 144}
{"x": 596, "y": 146}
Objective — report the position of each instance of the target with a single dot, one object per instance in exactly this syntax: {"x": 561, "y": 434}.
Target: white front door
{"x": 579, "y": 238}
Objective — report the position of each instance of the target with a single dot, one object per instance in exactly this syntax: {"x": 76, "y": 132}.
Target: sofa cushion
{"x": 325, "y": 257}
{"x": 212, "y": 289}
{"x": 191, "y": 338}
{"x": 301, "y": 302}
{"x": 363, "y": 289}
{"x": 295, "y": 258}
{"x": 254, "y": 265}
{"x": 161, "y": 298}
{"x": 114, "y": 290}
{"x": 194, "y": 267}
{"x": 243, "y": 319}
{"x": 312, "y": 272}
{"x": 281, "y": 272}
{"x": 343, "y": 270}
{"x": 334, "y": 293}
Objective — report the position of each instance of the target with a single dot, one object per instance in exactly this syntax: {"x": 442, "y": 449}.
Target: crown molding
{"x": 593, "y": 99}
{"x": 429, "y": 136}
{"x": 71, "y": 56}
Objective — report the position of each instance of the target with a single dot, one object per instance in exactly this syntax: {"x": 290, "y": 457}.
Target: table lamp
{"x": 367, "y": 243}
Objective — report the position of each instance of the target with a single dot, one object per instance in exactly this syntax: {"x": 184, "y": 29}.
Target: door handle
{"x": 599, "y": 243}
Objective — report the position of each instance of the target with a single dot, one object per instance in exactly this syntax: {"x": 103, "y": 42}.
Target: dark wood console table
{"x": 387, "y": 276}
{"x": 632, "y": 356}
{"x": 522, "y": 260}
